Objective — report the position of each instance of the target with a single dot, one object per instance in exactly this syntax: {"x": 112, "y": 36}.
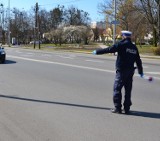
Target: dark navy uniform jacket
{"x": 127, "y": 55}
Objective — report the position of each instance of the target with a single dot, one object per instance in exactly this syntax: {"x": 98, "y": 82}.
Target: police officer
{"x": 127, "y": 55}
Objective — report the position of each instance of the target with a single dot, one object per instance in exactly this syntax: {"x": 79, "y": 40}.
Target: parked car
{"x": 36, "y": 42}
{"x": 2, "y": 55}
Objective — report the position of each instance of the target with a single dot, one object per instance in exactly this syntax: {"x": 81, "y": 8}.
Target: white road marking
{"x": 31, "y": 53}
{"x": 18, "y": 51}
{"x": 145, "y": 66}
{"x": 46, "y": 55}
{"x": 156, "y": 73}
{"x": 154, "y": 78}
{"x": 63, "y": 64}
{"x": 69, "y": 65}
{"x": 27, "y": 55}
{"x": 66, "y": 57}
{"x": 96, "y": 61}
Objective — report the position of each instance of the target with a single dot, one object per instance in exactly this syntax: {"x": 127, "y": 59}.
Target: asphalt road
{"x": 64, "y": 96}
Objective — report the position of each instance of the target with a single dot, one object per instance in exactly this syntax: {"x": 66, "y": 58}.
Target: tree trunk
{"x": 154, "y": 37}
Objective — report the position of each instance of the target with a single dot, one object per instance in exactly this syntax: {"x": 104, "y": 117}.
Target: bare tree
{"x": 56, "y": 16}
{"x": 150, "y": 8}
{"x": 129, "y": 15}
{"x": 74, "y": 16}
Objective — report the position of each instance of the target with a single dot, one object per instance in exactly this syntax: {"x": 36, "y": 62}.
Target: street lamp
{"x": 8, "y": 22}
{"x": 1, "y": 21}
{"x": 1, "y": 11}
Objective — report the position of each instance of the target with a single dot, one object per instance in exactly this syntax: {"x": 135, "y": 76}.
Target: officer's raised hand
{"x": 94, "y": 52}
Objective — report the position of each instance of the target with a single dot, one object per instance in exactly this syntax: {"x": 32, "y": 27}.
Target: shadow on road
{"x": 133, "y": 113}
{"x": 9, "y": 62}
{"x": 145, "y": 114}
{"x": 52, "y": 102}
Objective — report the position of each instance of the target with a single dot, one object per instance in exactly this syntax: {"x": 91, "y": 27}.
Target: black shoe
{"x": 126, "y": 111}
{"x": 118, "y": 111}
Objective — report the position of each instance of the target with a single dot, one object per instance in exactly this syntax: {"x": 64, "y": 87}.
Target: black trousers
{"x": 123, "y": 78}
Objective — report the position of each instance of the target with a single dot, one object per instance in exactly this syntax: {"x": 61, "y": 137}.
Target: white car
{"x": 36, "y": 42}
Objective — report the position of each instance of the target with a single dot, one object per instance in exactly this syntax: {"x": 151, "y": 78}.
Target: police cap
{"x": 126, "y": 33}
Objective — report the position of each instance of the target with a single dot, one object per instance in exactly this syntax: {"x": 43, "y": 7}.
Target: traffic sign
{"x": 115, "y": 22}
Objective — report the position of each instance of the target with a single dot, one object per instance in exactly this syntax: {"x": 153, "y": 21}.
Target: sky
{"x": 90, "y": 6}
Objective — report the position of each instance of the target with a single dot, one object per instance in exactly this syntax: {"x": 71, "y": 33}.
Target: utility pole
{"x": 158, "y": 23}
{"x": 114, "y": 25}
{"x": 36, "y": 24}
{"x": 39, "y": 32}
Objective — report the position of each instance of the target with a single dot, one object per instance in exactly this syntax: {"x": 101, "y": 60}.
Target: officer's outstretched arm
{"x": 111, "y": 49}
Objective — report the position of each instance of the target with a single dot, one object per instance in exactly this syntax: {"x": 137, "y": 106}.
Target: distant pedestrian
{"x": 127, "y": 55}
